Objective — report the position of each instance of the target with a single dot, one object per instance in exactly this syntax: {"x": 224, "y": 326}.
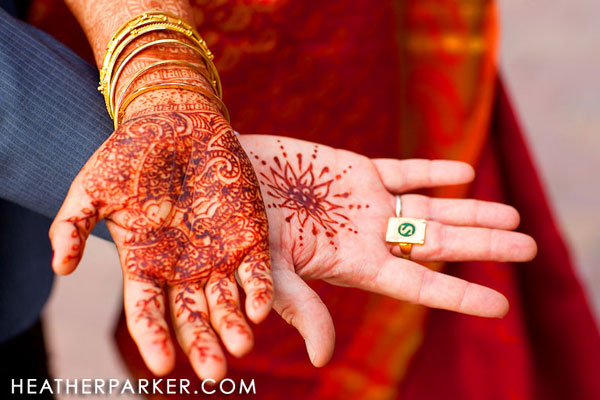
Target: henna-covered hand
{"x": 328, "y": 211}
{"x": 182, "y": 203}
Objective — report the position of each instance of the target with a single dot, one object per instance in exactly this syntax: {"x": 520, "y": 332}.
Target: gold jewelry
{"x": 140, "y": 25}
{"x": 115, "y": 78}
{"x": 405, "y": 231}
{"x": 138, "y": 92}
{"x": 146, "y": 69}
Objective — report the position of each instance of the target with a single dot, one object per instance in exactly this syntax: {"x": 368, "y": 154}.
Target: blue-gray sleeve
{"x": 52, "y": 118}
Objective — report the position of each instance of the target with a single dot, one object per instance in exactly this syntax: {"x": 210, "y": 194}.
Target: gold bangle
{"x": 110, "y": 54}
{"x": 115, "y": 78}
{"x": 138, "y": 92}
{"x": 133, "y": 35}
{"x": 141, "y": 25}
{"x": 146, "y": 69}
{"x": 128, "y": 27}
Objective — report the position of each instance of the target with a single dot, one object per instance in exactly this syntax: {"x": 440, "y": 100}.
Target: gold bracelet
{"x": 141, "y": 25}
{"x": 152, "y": 66}
{"x": 129, "y": 28}
{"x": 111, "y": 54}
{"x": 138, "y": 92}
{"x": 134, "y": 34}
{"x": 115, "y": 78}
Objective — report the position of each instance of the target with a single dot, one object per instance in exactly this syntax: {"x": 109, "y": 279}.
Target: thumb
{"x": 301, "y": 307}
{"x": 71, "y": 228}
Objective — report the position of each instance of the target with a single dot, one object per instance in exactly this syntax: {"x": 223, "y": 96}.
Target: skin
{"x": 328, "y": 211}
{"x": 184, "y": 207}
{"x": 181, "y": 201}
{"x": 179, "y": 197}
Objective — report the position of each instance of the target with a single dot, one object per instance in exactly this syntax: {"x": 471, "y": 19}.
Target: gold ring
{"x": 404, "y": 231}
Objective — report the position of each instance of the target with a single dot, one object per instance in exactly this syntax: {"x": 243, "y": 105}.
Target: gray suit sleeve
{"x": 52, "y": 118}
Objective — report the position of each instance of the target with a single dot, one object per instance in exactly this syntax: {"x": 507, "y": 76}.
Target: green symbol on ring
{"x": 406, "y": 229}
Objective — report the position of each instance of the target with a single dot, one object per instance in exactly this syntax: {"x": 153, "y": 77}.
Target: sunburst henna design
{"x": 296, "y": 185}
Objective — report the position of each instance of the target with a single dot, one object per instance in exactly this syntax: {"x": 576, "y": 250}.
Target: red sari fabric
{"x": 415, "y": 78}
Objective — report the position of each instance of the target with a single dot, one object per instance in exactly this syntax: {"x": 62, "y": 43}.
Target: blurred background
{"x": 549, "y": 58}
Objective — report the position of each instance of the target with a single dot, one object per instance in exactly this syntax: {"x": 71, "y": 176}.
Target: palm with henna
{"x": 328, "y": 211}
{"x": 182, "y": 203}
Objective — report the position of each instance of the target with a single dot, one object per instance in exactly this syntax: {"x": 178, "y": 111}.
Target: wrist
{"x": 168, "y": 100}
{"x": 162, "y": 71}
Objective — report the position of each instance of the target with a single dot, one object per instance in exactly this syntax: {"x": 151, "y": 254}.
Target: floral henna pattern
{"x": 296, "y": 185}
{"x": 185, "y": 193}
{"x": 255, "y": 266}
{"x": 185, "y": 304}
{"x": 152, "y": 299}
{"x": 183, "y": 196}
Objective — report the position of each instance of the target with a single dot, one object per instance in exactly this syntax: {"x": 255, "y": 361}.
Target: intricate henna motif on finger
{"x": 259, "y": 281}
{"x": 82, "y": 227}
{"x": 152, "y": 299}
{"x": 232, "y": 316}
{"x": 203, "y": 334}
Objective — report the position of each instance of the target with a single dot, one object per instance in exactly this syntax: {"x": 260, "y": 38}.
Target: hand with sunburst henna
{"x": 328, "y": 211}
{"x": 182, "y": 203}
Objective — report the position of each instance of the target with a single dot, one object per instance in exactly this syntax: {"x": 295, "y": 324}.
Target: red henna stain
{"x": 295, "y": 187}
{"x": 342, "y": 216}
{"x": 157, "y": 166}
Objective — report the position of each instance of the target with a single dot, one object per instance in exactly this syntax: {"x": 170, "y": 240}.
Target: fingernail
{"x": 311, "y": 352}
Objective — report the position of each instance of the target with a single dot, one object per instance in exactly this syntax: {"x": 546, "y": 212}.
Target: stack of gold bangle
{"x": 138, "y": 26}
